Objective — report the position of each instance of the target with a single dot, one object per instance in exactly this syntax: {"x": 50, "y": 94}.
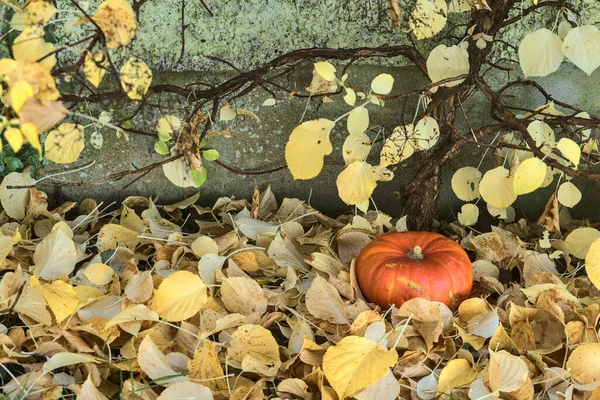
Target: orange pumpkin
{"x": 399, "y": 266}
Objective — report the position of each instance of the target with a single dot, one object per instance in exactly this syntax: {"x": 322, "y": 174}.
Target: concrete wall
{"x": 250, "y": 32}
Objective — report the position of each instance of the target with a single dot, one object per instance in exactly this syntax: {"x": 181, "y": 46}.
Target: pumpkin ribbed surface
{"x": 399, "y": 266}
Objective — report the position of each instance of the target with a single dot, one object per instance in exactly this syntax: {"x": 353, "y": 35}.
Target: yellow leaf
{"x": 350, "y": 97}
{"x": 135, "y": 78}
{"x": 38, "y": 13}
{"x": 186, "y": 390}
{"x": 592, "y": 263}
{"x": 31, "y": 134}
{"x": 155, "y": 364}
{"x": 204, "y": 245}
{"x": 540, "y": 53}
{"x": 19, "y": 93}
{"x": 428, "y": 18}
{"x": 14, "y": 137}
{"x": 64, "y": 145}
{"x": 507, "y": 373}
{"x": 426, "y": 134}
{"x": 356, "y": 148}
{"x": 382, "y": 84}
{"x": 325, "y": 70}
{"x": 568, "y": 195}
{"x": 529, "y": 176}
{"x": 496, "y": 188}
{"x": 355, "y": 362}
{"x": 581, "y": 46}
{"x": 64, "y": 359}
{"x": 30, "y": 46}
{"x": 206, "y": 367}
{"x": 99, "y": 274}
{"x": 455, "y": 374}
{"x": 255, "y": 348}
{"x": 307, "y": 146}
{"x": 61, "y": 297}
{"x": 94, "y": 67}
{"x": 469, "y": 214}
{"x": 117, "y": 21}
{"x": 112, "y": 235}
{"x": 358, "y": 180}
{"x": 180, "y": 296}
{"x": 584, "y": 363}
{"x": 580, "y": 240}
{"x": 465, "y": 183}
{"x": 570, "y": 150}
{"x": 358, "y": 121}
{"x": 168, "y": 124}
{"x": 138, "y": 312}
{"x": 447, "y": 62}
{"x": 399, "y": 146}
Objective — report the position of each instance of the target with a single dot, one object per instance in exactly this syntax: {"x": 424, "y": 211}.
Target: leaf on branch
{"x": 358, "y": 121}
{"x": 447, "y": 62}
{"x": 356, "y": 148}
{"x": 31, "y": 46}
{"x": 307, "y": 146}
{"x": 399, "y": 146}
{"x": 529, "y": 176}
{"x": 64, "y": 144}
{"x": 468, "y": 215}
{"x": 94, "y": 67}
{"x": 570, "y": 150}
{"x": 135, "y": 78}
{"x": 44, "y": 115}
{"x": 382, "y": 84}
{"x": 428, "y": 18}
{"x": 568, "y": 195}
{"x": 117, "y": 21}
{"x": 326, "y": 70}
{"x": 358, "y": 180}
{"x": 582, "y": 47}
{"x": 496, "y": 188}
{"x": 426, "y": 134}
{"x": 465, "y": 183}
{"x": 540, "y": 53}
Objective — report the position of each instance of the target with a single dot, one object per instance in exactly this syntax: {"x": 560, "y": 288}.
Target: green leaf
{"x": 161, "y": 148}
{"x": 211, "y": 155}
{"x": 164, "y": 137}
{"x": 13, "y": 164}
{"x": 127, "y": 125}
{"x": 198, "y": 178}
{"x": 203, "y": 143}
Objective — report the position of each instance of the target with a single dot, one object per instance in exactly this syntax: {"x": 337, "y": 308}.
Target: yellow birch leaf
{"x": 307, "y": 146}
{"x": 117, "y": 21}
{"x": 507, "y": 372}
{"x": 540, "y": 53}
{"x": 19, "y": 93}
{"x": 99, "y": 274}
{"x": 356, "y": 148}
{"x": 31, "y": 46}
{"x": 14, "y": 137}
{"x": 584, "y": 363}
{"x": 428, "y": 18}
{"x": 468, "y": 215}
{"x": 570, "y": 150}
{"x": 568, "y": 195}
{"x": 447, "y": 62}
{"x": 112, "y": 236}
{"x": 180, "y": 296}
{"x": 529, "y": 176}
{"x": 350, "y": 96}
{"x": 64, "y": 145}
{"x": 186, "y": 390}
{"x": 138, "y": 312}
{"x": 592, "y": 263}
{"x": 426, "y": 134}
{"x": 38, "y": 13}
{"x": 94, "y": 67}
{"x": 398, "y": 146}
{"x": 358, "y": 180}
{"x": 455, "y": 374}
{"x": 580, "y": 240}
{"x": 135, "y": 78}
{"x": 358, "y": 121}
{"x": 64, "y": 359}
{"x": 255, "y": 348}
{"x": 60, "y": 296}
{"x": 356, "y": 362}
{"x": 168, "y": 124}
{"x": 206, "y": 367}
{"x": 496, "y": 188}
{"x": 29, "y": 130}
{"x": 382, "y": 84}
{"x": 325, "y": 70}
{"x": 465, "y": 183}
{"x": 582, "y": 47}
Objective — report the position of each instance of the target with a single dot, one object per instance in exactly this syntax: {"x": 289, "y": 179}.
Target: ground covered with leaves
{"x": 254, "y": 299}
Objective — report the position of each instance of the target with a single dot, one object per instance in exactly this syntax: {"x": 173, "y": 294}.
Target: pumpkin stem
{"x": 415, "y": 253}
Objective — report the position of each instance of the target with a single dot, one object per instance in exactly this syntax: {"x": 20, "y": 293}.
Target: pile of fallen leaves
{"x": 255, "y": 299}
